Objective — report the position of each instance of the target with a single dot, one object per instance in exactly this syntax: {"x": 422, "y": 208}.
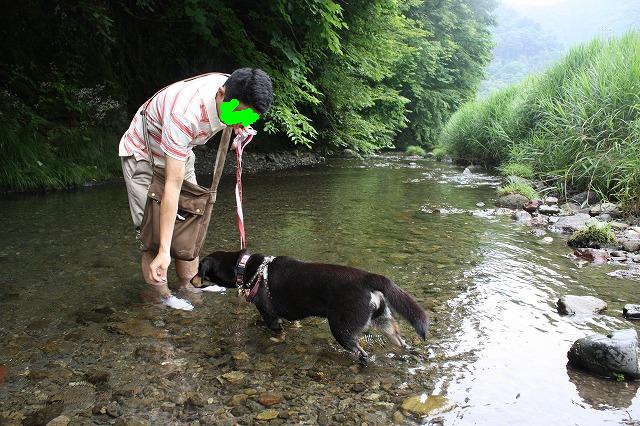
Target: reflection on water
{"x": 72, "y": 308}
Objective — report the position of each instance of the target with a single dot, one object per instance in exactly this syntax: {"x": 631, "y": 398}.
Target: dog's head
{"x": 219, "y": 268}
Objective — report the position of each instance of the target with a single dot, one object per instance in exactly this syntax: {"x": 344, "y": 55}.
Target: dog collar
{"x": 240, "y": 268}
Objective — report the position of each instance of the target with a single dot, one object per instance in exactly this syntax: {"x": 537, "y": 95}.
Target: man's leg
{"x": 186, "y": 270}
{"x": 162, "y": 289}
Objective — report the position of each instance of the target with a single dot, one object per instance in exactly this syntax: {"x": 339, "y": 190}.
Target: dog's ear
{"x": 207, "y": 268}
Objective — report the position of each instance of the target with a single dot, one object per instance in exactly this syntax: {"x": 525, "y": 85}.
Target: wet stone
{"x": 59, "y": 421}
{"x": 610, "y": 355}
{"x": 237, "y": 400}
{"x": 547, "y": 209}
{"x": 268, "y": 399}
{"x": 571, "y": 305}
{"x": 427, "y": 404}
{"x": 97, "y": 376}
{"x": 233, "y": 376}
{"x": 267, "y": 415}
{"x": 631, "y": 311}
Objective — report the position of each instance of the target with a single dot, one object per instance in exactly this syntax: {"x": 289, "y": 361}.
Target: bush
{"x": 516, "y": 169}
{"x": 577, "y": 125}
{"x": 416, "y": 150}
{"x": 518, "y": 187}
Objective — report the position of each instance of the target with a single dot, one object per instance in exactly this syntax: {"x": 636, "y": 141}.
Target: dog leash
{"x": 241, "y": 141}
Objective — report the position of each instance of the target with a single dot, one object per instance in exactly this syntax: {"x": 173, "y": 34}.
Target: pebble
{"x": 267, "y": 415}
{"x": 268, "y": 399}
{"x": 61, "y": 420}
{"x": 233, "y": 376}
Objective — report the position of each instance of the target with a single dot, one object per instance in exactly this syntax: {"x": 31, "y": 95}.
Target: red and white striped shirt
{"x": 180, "y": 116}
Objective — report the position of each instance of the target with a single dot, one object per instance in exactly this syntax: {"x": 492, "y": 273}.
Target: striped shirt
{"x": 180, "y": 116}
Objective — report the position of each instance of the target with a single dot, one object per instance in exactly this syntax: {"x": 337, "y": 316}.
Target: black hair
{"x": 251, "y": 86}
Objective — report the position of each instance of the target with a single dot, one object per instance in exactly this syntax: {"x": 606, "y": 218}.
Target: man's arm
{"x": 174, "y": 175}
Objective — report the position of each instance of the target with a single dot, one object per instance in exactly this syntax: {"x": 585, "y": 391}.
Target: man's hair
{"x": 250, "y": 86}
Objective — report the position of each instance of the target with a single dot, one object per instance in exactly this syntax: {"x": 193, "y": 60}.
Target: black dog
{"x": 349, "y": 298}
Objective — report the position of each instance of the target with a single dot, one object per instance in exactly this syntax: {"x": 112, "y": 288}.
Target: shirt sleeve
{"x": 177, "y": 133}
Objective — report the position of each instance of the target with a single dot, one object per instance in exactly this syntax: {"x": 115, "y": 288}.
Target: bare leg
{"x": 161, "y": 289}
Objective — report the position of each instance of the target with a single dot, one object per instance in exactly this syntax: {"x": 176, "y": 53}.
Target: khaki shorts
{"x": 137, "y": 177}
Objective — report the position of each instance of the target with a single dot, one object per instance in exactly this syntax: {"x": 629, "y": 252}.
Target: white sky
{"x": 533, "y": 3}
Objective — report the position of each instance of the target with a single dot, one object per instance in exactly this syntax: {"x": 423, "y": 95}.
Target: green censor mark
{"x": 230, "y": 117}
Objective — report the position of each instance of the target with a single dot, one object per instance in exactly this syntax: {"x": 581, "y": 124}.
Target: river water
{"x": 79, "y": 336}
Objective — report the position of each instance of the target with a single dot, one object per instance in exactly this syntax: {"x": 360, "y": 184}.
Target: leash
{"x": 241, "y": 141}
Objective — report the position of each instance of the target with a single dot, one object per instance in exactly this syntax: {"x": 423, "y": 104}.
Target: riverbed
{"x": 79, "y": 336}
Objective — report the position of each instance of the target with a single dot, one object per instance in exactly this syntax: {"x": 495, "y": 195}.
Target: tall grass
{"x": 576, "y": 125}
{"x": 31, "y": 161}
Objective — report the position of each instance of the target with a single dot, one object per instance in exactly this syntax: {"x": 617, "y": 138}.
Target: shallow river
{"x": 79, "y": 337}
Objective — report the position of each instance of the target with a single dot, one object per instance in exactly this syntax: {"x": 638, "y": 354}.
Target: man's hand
{"x": 157, "y": 272}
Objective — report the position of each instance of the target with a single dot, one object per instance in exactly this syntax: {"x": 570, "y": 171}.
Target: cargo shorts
{"x": 137, "y": 177}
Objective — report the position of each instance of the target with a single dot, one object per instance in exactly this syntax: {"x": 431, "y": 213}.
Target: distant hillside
{"x": 531, "y": 35}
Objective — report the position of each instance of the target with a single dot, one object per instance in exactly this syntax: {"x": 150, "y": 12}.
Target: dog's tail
{"x": 402, "y": 303}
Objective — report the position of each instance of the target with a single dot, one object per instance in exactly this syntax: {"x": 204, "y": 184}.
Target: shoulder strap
{"x": 145, "y": 132}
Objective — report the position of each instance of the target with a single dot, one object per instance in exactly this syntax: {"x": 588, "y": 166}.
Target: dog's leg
{"x": 346, "y": 333}
{"x": 388, "y": 326}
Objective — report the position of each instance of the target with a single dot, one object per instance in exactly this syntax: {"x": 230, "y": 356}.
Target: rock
{"x": 501, "y": 211}
{"x": 268, "y": 398}
{"x": 113, "y": 410}
{"x": 597, "y": 256}
{"x": 587, "y": 197}
{"x": 447, "y": 159}
{"x": 358, "y": 387}
{"x": 233, "y": 376}
{"x": 531, "y": 206}
{"x": 96, "y": 377}
{"x": 547, "y": 209}
{"x": 59, "y": 421}
{"x": 512, "y": 201}
{"x": 605, "y": 217}
{"x": 631, "y": 234}
{"x": 323, "y": 420}
{"x": 522, "y": 217}
{"x": 571, "y": 305}
{"x": 569, "y": 209}
{"x": 3, "y": 373}
{"x": 137, "y": 328}
{"x": 570, "y": 224}
{"x": 551, "y": 200}
{"x": 481, "y": 204}
{"x": 631, "y": 245}
{"x": 350, "y": 153}
{"x": 618, "y": 254}
{"x": 44, "y": 414}
{"x": 631, "y": 311}
{"x": 467, "y": 172}
{"x": 427, "y": 404}
{"x": 340, "y": 418}
{"x": 616, "y": 353}
{"x": 398, "y": 418}
{"x": 267, "y": 415}
{"x": 606, "y": 208}
{"x": 547, "y": 240}
{"x": 618, "y": 226}
{"x": 237, "y": 400}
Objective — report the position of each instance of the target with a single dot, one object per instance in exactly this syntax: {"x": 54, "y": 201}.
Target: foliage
{"x": 416, "y": 150}
{"x": 595, "y": 235}
{"x": 516, "y": 169}
{"x": 577, "y": 125}
{"x": 518, "y": 187}
{"x": 365, "y": 74}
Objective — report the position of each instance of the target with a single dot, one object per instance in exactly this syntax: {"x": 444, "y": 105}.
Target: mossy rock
{"x": 594, "y": 235}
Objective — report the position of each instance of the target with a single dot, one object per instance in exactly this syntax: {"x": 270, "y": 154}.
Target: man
{"x": 180, "y": 116}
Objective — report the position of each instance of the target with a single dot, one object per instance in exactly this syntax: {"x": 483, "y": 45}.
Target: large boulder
{"x": 587, "y": 197}
{"x": 512, "y": 201}
{"x": 610, "y": 355}
{"x": 581, "y": 305}
{"x": 631, "y": 311}
{"x": 570, "y": 224}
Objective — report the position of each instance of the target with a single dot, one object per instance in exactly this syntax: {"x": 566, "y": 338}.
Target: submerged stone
{"x": 631, "y": 311}
{"x": 571, "y": 305}
{"x": 268, "y": 415}
{"x": 424, "y": 404}
{"x": 609, "y": 356}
